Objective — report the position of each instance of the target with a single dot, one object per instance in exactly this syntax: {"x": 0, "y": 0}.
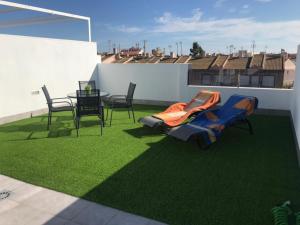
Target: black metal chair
{"x": 88, "y": 104}
{"x": 57, "y": 105}
{"x": 92, "y": 83}
{"x": 122, "y": 101}
{"x": 83, "y": 84}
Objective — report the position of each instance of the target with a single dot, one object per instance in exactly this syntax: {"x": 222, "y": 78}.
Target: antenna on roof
{"x": 231, "y": 49}
{"x": 253, "y": 46}
{"x": 180, "y": 42}
{"x": 145, "y": 42}
{"x": 109, "y": 46}
{"x": 266, "y": 49}
{"x": 170, "y": 48}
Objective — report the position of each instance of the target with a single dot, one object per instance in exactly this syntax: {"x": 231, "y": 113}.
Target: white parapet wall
{"x": 168, "y": 82}
{"x": 156, "y": 82}
{"x": 27, "y": 63}
{"x": 269, "y": 98}
{"x": 295, "y": 102}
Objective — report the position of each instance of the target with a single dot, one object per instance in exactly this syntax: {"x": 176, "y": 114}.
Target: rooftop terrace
{"x": 141, "y": 171}
{"x": 133, "y": 168}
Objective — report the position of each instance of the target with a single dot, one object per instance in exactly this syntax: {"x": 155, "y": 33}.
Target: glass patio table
{"x": 102, "y": 94}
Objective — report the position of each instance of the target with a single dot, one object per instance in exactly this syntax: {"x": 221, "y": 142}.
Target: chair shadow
{"x": 144, "y": 131}
{"x": 89, "y": 123}
{"x": 60, "y": 127}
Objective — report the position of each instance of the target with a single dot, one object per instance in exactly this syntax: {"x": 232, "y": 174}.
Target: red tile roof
{"x": 257, "y": 61}
{"x": 122, "y": 60}
{"x": 202, "y": 63}
{"x": 273, "y": 63}
{"x": 220, "y": 61}
{"x": 154, "y": 59}
{"x": 104, "y": 57}
{"x": 183, "y": 59}
{"x": 237, "y": 63}
{"x": 168, "y": 60}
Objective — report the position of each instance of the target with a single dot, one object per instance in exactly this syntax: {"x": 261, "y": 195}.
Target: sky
{"x": 214, "y": 24}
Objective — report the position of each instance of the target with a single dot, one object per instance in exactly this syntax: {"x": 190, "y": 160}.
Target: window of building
{"x": 268, "y": 81}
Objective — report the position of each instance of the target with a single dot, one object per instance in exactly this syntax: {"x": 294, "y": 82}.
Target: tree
{"x": 197, "y": 50}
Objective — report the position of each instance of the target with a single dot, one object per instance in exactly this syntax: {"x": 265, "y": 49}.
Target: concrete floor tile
{"x": 32, "y": 205}
{"x": 128, "y": 219}
{"x": 24, "y": 215}
{"x": 71, "y": 223}
{"x": 62, "y": 205}
{"x": 53, "y": 221}
{"x": 95, "y": 214}
{"x": 7, "y": 204}
{"x": 24, "y": 192}
{"x": 153, "y": 222}
{"x": 10, "y": 184}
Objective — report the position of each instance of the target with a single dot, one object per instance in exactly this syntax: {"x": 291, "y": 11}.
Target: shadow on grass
{"x": 141, "y": 132}
{"x": 62, "y": 126}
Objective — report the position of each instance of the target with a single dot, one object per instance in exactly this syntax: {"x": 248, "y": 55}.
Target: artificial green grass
{"x": 139, "y": 170}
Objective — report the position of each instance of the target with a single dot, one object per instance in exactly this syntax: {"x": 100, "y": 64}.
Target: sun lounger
{"x": 208, "y": 126}
{"x": 177, "y": 113}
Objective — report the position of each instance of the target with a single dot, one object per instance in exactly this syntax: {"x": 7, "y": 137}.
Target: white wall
{"x": 27, "y": 63}
{"x": 276, "y": 99}
{"x": 295, "y": 101}
{"x": 158, "y": 82}
{"x": 168, "y": 82}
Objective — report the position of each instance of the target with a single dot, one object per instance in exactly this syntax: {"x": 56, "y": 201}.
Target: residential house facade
{"x": 260, "y": 70}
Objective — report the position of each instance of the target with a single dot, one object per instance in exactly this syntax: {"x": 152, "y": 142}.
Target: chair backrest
{"x": 47, "y": 96}
{"x": 88, "y": 103}
{"x": 83, "y": 84}
{"x": 130, "y": 93}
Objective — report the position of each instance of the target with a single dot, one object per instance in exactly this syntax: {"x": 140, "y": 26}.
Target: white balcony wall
{"x": 274, "y": 99}
{"x": 158, "y": 82}
{"x": 295, "y": 100}
{"x": 168, "y": 82}
{"x": 27, "y": 63}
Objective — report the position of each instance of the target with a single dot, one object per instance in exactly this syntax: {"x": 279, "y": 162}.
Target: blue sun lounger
{"x": 208, "y": 126}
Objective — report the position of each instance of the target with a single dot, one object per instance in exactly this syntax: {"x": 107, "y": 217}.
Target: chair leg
{"x": 50, "y": 117}
{"x": 102, "y": 116}
{"x": 74, "y": 118}
{"x": 249, "y": 126}
{"x": 201, "y": 144}
{"x": 111, "y": 113}
{"x": 101, "y": 126}
{"x": 133, "y": 114}
{"x": 77, "y": 125}
{"x": 48, "y": 124}
{"x": 106, "y": 113}
{"x": 128, "y": 112}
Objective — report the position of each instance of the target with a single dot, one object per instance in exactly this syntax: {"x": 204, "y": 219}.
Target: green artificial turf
{"x": 139, "y": 170}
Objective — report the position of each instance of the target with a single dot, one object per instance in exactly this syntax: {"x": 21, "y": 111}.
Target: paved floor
{"x": 33, "y": 205}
